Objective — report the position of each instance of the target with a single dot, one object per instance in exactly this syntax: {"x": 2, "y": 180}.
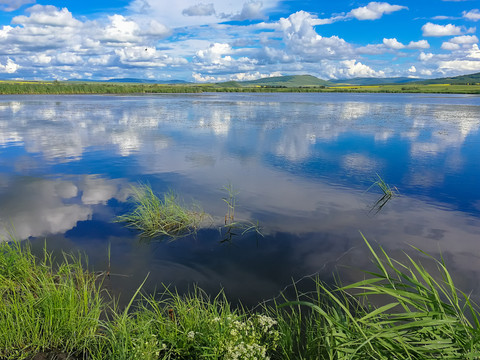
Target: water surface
{"x": 301, "y": 163}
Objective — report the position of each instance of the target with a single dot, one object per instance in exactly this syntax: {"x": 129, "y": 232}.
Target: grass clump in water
{"x": 156, "y": 218}
{"x": 388, "y": 193}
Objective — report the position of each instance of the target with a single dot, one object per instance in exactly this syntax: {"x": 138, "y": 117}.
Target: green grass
{"x": 59, "y": 308}
{"x": 421, "y": 316}
{"x": 56, "y": 87}
{"x": 388, "y": 193}
{"x": 42, "y": 309}
{"x": 157, "y": 218}
{"x": 234, "y": 227}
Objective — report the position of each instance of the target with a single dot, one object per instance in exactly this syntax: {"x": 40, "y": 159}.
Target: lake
{"x": 300, "y": 163}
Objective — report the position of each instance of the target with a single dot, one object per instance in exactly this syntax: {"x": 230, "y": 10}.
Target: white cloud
{"x": 473, "y": 15}
{"x": 430, "y": 29}
{"x": 41, "y": 59}
{"x": 11, "y": 5}
{"x": 396, "y": 45}
{"x": 474, "y": 52}
{"x": 214, "y": 53}
{"x": 47, "y": 15}
{"x": 10, "y": 67}
{"x": 68, "y": 58}
{"x": 421, "y": 44}
{"x": 173, "y": 13}
{"x": 393, "y": 44}
{"x": 375, "y": 10}
{"x": 412, "y": 69}
{"x": 302, "y": 40}
{"x": 450, "y": 46}
{"x": 199, "y": 10}
{"x": 465, "y": 39}
{"x": 251, "y": 10}
{"x": 460, "y": 65}
{"x": 456, "y": 42}
{"x": 352, "y": 68}
{"x": 121, "y": 30}
{"x": 425, "y": 56}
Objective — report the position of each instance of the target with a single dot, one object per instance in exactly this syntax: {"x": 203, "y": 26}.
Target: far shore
{"x": 69, "y": 87}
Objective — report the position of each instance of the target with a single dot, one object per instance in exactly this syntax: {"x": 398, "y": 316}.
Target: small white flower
{"x": 191, "y": 335}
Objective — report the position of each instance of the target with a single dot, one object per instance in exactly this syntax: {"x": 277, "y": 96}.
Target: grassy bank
{"x": 56, "y": 87}
{"x": 60, "y": 309}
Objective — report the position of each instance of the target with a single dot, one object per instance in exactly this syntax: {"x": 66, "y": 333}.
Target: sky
{"x": 221, "y": 40}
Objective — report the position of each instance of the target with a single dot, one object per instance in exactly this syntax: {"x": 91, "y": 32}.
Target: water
{"x": 301, "y": 164}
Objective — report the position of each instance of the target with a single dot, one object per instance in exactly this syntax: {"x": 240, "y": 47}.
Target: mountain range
{"x": 292, "y": 81}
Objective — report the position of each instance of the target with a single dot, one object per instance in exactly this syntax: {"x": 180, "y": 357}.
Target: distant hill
{"x": 132, "y": 81}
{"x": 279, "y": 81}
{"x": 457, "y": 80}
{"x": 146, "y": 81}
{"x": 374, "y": 81}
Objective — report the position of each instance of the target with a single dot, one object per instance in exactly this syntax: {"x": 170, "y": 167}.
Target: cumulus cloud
{"x": 430, "y": 29}
{"x": 396, "y": 45}
{"x": 121, "y": 30}
{"x": 458, "y": 41}
{"x": 10, "y": 67}
{"x": 250, "y": 11}
{"x": 350, "y": 69}
{"x": 421, "y": 44}
{"x": 301, "y": 39}
{"x": 412, "y": 69}
{"x": 473, "y": 15}
{"x": 199, "y": 10}
{"x": 473, "y": 52}
{"x": 47, "y": 15}
{"x": 375, "y": 10}
{"x": 459, "y": 65}
{"x": 425, "y": 56}
{"x": 11, "y": 5}
{"x": 465, "y": 39}
{"x": 393, "y": 44}
{"x": 450, "y": 46}
{"x": 182, "y": 13}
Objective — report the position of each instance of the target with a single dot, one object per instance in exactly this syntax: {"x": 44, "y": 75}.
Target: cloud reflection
{"x": 40, "y": 207}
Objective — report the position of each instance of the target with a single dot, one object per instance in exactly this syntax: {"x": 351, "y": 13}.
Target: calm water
{"x": 301, "y": 163}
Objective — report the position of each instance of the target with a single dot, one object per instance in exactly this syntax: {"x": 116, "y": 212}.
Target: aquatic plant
{"x": 156, "y": 218}
{"x": 232, "y": 227}
{"x": 388, "y": 193}
{"x": 423, "y": 316}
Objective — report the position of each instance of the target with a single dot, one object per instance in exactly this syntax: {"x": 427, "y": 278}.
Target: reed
{"x": 234, "y": 227}
{"x": 157, "y": 218}
{"x": 388, "y": 193}
{"x": 423, "y": 316}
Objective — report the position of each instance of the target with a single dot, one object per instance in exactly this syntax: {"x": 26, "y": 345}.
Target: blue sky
{"x": 221, "y": 40}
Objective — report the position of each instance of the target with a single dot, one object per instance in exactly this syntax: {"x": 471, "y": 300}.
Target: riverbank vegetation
{"x": 71, "y": 87}
{"x": 59, "y": 309}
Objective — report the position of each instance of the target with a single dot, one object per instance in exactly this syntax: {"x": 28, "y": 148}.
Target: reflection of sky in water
{"x": 301, "y": 162}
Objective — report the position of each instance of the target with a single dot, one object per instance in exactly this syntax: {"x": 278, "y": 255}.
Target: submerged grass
{"x": 59, "y": 309}
{"x": 156, "y": 218}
